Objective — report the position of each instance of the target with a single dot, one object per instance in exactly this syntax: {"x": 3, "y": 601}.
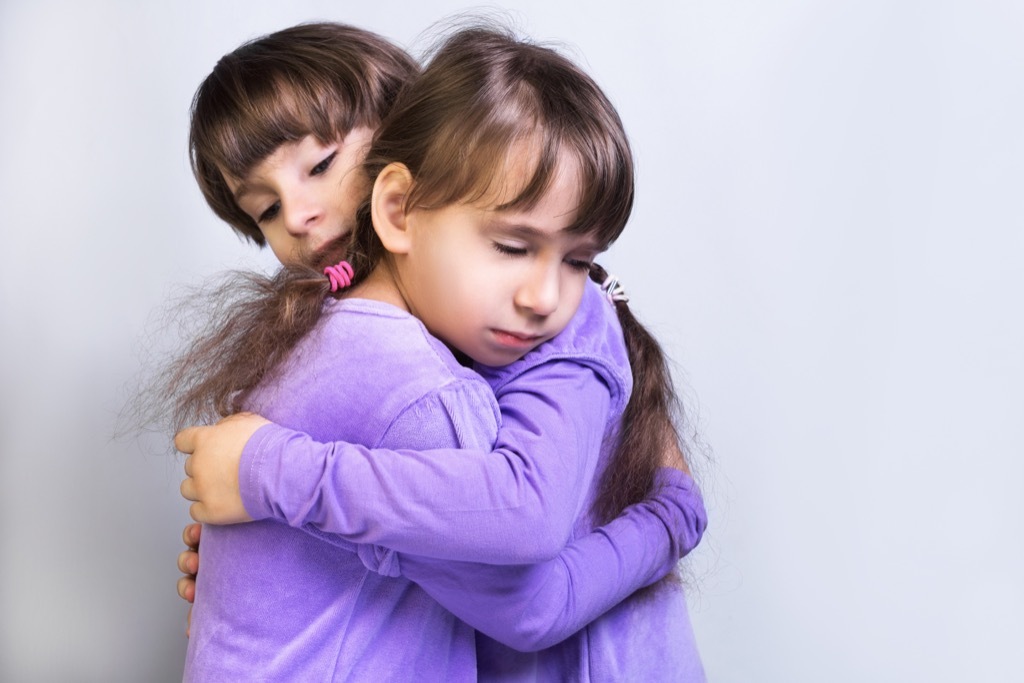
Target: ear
{"x": 387, "y": 207}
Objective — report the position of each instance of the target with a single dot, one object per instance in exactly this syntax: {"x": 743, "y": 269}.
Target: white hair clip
{"x": 613, "y": 290}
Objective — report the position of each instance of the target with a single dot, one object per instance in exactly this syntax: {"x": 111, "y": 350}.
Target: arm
{"x": 529, "y": 607}
{"x": 532, "y": 607}
{"x": 536, "y": 606}
{"x": 514, "y": 505}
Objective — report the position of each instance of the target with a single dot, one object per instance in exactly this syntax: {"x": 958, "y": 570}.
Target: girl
{"x": 331, "y": 85}
{"x": 488, "y": 243}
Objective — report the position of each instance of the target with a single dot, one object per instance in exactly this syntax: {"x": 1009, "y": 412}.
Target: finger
{"x": 187, "y": 589}
{"x": 188, "y": 562}
{"x": 188, "y": 490}
{"x": 185, "y": 440}
{"x": 197, "y": 511}
{"x": 188, "y": 622}
{"x": 190, "y": 535}
{"x": 188, "y": 466}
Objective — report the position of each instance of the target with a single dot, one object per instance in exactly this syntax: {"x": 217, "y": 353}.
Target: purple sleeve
{"x": 533, "y": 607}
{"x": 514, "y": 505}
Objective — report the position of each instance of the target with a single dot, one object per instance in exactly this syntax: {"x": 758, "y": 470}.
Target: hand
{"x": 672, "y": 455}
{"x": 211, "y": 469}
{"x": 188, "y": 564}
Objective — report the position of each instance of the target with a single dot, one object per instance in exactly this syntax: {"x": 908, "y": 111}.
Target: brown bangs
{"x": 486, "y": 98}
{"x": 320, "y": 79}
{"x": 254, "y": 123}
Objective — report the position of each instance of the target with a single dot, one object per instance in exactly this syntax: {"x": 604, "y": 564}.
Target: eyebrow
{"x": 530, "y": 231}
{"x": 242, "y": 190}
{"x": 512, "y": 226}
{"x": 245, "y": 189}
{"x": 244, "y": 186}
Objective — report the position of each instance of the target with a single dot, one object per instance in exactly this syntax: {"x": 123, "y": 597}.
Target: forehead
{"x": 280, "y": 157}
{"x": 512, "y": 179}
{"x": 288, "y": 157}
{"x": 550, "y": 217}
{"x": 296, "y": 156}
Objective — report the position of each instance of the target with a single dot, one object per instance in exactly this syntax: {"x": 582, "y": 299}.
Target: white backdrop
{"x": 828, "y": 238}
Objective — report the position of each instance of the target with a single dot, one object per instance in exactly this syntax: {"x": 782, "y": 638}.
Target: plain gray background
{"x": 828, "y": 239}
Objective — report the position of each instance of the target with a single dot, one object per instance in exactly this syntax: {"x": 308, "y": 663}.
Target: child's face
{"x": 497, "y": 284}
{"x": 305, "y": 195}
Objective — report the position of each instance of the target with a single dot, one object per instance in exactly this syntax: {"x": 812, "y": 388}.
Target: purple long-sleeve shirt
{"x": 278, "y": 604}
{"x": 522, "y": 503}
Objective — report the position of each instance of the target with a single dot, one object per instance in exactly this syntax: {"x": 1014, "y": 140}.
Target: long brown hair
{"x": 650, "y": 423}
{"x": 454, "y": 128}
{"x": 321, "y": 79}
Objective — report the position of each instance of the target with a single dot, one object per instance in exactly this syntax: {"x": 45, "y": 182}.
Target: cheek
{"x": 472, "y": 292}
{"x": 574, "y": 290}
{"x": 283, "y": 253}
{"x": 283, "y": 245}
{"x": 572, "y": 296}
{"x": 352, "y": 189}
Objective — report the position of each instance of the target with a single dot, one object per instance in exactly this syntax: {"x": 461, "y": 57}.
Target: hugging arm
{"x": 516, "y": 504}
{"x": 531, "y": 607}
{"x": 534, "y": 606}
{"x": 468, "y": 506}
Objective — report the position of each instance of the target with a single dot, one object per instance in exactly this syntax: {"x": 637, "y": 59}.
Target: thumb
{"x": 185, "y": 440}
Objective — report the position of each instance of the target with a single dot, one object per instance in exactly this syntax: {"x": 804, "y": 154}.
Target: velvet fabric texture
{"x": 383, "y": 548}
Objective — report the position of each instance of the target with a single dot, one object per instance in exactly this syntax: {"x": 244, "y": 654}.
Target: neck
{"x": 380, "y": 285}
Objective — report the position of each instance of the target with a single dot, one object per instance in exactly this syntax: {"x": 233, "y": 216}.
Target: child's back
{"x": 281, "y": 604}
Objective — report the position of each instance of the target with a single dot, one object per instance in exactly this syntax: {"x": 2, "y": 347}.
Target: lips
{"x": 516, "y": 340}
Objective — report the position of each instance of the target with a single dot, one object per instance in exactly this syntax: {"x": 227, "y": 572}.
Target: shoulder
{"x": 394, "y": 343}
{"x": 455, "y": 415}
{"x": 378, "y": 363}
{"x": 431, "y": 400}
{"x": 593, "y": 339}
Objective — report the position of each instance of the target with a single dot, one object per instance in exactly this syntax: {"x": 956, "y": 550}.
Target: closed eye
{"x": 270, "y": 213}
{"x": 508, "y": 249}
{"x": 581, "y": 265}
{"x": 324, "y": 165}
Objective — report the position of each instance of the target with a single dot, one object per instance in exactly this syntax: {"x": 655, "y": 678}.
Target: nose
{"x": 539, "y": 293}
{"x": 301, "y": 213}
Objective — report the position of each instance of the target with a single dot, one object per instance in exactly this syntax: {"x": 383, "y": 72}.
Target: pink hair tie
{"x": 339, "y": 275}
